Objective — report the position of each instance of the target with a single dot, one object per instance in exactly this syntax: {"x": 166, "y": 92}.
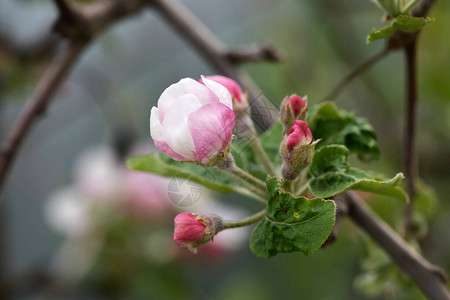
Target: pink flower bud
{"x": 193, "y": 121}
{"x": 193, "y": 230}
{"x": 296, "y": 149}
{"x": 231, "y": 85}
{"x": 293, "y": 108}
{"x": 240, "y": 101}
{"x": 299, "y": 135}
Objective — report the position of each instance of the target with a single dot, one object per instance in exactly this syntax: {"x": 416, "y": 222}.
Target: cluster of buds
{"x": 193, "y": 230}
{"x": 194, "y": 121}
{"x": 297, "y": 147}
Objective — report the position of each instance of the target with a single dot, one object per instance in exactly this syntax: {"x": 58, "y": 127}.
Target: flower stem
{"x": 244, "y": 222}
{"x": 235, "y": 170}
{"x": 257, "y": 196}
{"x": 287, "y": 185}
{"x": 262, "y": 155}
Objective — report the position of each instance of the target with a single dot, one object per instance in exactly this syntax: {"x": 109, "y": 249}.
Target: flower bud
{"x": 193, "y": 122}
{"x": 296, "y": 149}
{"x": 293, "y": 108}
{"x": 193, "y": 230}
{"x": 240, "y": 101}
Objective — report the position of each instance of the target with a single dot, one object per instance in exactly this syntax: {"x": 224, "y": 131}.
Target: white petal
{"x": 184, "y": 87}
{"x": 220, "y": 91}
{"x": 156, "y": 130}
{"x": 175, "y": 125}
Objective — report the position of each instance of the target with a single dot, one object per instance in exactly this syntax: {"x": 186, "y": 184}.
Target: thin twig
{"x": 428, "y": 277}
{"x": 355, "y": 73}
{"x": 254, "y": 53}
{"x": 398, "y": 40}
{"x": 50, "y": 82}
{"x": 410, "y": 161}
{"x": 79, "y": 24}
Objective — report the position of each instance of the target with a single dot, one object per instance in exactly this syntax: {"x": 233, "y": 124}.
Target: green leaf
{"x": 292, "y": 223}
{"x": 165, "y": 166}
{"x": 402, "y": 22}
{"x": 340, "y": 127}
{"x": 332, "y": 175}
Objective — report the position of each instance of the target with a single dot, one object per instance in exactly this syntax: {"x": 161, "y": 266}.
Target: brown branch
{"x": 214, "y": 51}
{"x": 79, "y": 24}
{"x": 429, "y": 278}
{"x": 400, "y": 39}
{"x": 410, "y": 160}
{"x": 355, "y": 73}
{"x": 38, "y": 104}
{"x": 254, "y": 53}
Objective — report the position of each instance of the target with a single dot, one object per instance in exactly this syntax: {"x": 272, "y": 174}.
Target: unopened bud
{"x": 293, "y": 108}
{"x": 193, "y": 230}
{"x": 244, "y": 124}
{"x": 296, "y": 149}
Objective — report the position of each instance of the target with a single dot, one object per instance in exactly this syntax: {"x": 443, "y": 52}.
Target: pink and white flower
{"x": 193, "y": 121}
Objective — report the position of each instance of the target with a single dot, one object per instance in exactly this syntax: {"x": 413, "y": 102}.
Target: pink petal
{"x": 299, "y": 134}
{"x": 297, "y": 103}
{"x": 188, "y": 229}
{"x": 164, "y": 147}
{"x": 231, "y": 85}
{"x": 211, "y": 128}
{"x": 222, "y": 93}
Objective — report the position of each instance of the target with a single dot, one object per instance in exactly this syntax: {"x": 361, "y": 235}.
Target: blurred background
{"x": 75, "y": 224}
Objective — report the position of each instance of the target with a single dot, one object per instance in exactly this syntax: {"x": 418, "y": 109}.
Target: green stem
{"x": 257, "y": 196}
{"x": 244, "y": 222}
{"x": 262, "y": 155}
{"x": 287, "y": 185}
{"x": 235, "y": 170}
{"x": 303, "y": 183}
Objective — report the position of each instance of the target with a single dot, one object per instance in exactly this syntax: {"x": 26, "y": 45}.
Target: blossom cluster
{"x": 194, "y": 121}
